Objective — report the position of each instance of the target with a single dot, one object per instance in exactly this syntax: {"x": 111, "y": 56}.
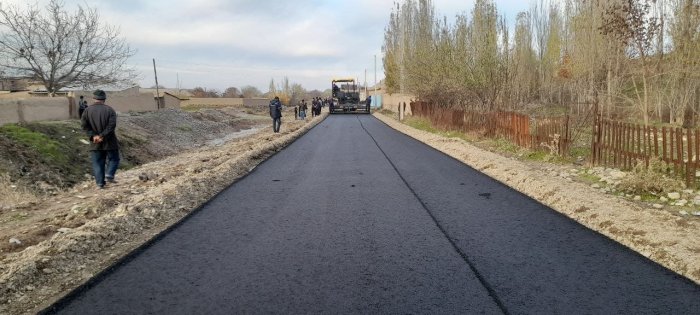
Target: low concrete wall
{"x": 14, "y": 110}
{"x": 170, "y": 101}
{"x": 392, "y": 101}
{"x": 219, "y": 102}
{"x": 133, "y": 91}
{"x": 223, "y": 102}
{"x": 134, "y": 103}
{"x": 33, "y": 109}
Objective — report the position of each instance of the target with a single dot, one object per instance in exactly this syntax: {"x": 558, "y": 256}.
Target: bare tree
{"x": 62, "y": 48}
{"x": 250, "y": 92}
{"x": 632, "y": 23}
{"x": 199, "y": 92}
{"x": 231, "y": 92}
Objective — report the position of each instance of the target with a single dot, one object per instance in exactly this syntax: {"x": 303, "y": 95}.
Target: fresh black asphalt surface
{"x": 355, "y": 217}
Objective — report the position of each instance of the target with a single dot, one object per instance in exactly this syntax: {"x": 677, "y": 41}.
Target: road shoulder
{"x": 661, "y": 236}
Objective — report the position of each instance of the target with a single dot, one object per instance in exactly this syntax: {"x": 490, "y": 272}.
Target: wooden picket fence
{"x": 522, "y": 130}
{"x": 623, "y": 145}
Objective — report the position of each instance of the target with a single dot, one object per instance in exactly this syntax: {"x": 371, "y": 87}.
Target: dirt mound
{"x": 49, "y": 156}
{"x": 155, "y": 135}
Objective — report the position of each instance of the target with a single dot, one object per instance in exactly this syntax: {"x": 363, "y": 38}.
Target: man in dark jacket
{"x": 82, "y": 105}
{"x": 100, "y": 122}
{"x": 276, "y": 114}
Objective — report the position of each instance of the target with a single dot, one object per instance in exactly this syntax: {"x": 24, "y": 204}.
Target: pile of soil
{"x": 144, "y": 137}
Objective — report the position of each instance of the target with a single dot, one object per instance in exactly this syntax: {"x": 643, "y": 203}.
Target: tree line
{"x": 289, "y": 93}
{"x": 636, "y": 59}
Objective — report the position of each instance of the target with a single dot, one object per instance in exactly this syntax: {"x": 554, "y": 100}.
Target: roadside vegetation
{"x": 44, "y": 156}
{"x": 651, "y": 184}
{"x": 634, "y": 61}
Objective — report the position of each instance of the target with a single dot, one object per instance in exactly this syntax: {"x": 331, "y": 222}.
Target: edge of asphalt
{"x": 552, "y": 208}
{"x": 54, "y": 305}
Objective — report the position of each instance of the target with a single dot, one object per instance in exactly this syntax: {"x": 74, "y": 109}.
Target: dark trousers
{"x": 276, "y": 123}
{"x": 102, "y": 159}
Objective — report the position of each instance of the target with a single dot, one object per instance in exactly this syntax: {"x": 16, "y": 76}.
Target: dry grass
{"x": 652, "y": 179}
{"x": 12, "y": 195}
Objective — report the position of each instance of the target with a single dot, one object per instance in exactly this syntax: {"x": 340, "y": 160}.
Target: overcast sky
{"x": 221, "y": 43}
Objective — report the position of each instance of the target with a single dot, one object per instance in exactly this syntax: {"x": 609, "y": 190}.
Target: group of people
{"x": 317, "y": 104}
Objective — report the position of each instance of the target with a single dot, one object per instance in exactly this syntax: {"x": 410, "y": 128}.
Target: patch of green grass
{"x": 649, "y": 197}
{"x": 536, "y": 156}
{"x": 184, "y": 128}
{"x": 38, "y": 141}
{"x": 455, "y": 134}
{"x": 543, "y": 156}
{"x": 19, "y": 217}
{"x": 580, "y": 151}
{"x": 503, "y": 145}
{"x": 589, "y": 178}
{"x": 421, "y": 124}
{"x": 425, "y": 125}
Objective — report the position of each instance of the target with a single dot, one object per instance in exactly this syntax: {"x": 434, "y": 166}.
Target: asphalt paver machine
{"x": 346, "y": 97}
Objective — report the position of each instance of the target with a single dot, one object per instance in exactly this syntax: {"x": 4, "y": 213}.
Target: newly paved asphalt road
{"x": 355, "y": 217}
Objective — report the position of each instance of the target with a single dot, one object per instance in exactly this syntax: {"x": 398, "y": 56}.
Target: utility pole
{"x": 374, "y": 90}
{"x": 178, "y": 83}
{"x": 157, "y": 88}
{"x": 366, "y": 84}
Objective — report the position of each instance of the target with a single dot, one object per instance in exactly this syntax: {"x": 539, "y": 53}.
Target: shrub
{"x": 652, "y": 179}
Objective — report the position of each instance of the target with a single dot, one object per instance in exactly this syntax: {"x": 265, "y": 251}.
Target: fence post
{"x": 689, "y": 163}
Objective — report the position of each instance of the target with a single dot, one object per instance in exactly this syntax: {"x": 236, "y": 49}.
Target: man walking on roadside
{"x": 100, "y": 123}
{"x": 276, "y": 114}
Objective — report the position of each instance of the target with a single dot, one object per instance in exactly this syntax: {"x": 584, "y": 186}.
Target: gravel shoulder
{"x": 664, "y": 237}
{"x": 89, "y": 230}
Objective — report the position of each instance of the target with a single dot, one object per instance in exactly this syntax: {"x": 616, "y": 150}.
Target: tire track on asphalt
{"x": 482, "y": 280}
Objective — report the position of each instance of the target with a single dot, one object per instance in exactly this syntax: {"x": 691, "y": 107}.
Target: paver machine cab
{"x": 346, "y": 97}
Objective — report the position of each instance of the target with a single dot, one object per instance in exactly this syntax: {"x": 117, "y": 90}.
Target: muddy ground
{"x": 83, "y": 230}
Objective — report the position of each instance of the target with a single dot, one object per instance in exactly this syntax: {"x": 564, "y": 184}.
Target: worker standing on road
{"x": 276, "y": 114}
{"x": 100, "y": 122}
